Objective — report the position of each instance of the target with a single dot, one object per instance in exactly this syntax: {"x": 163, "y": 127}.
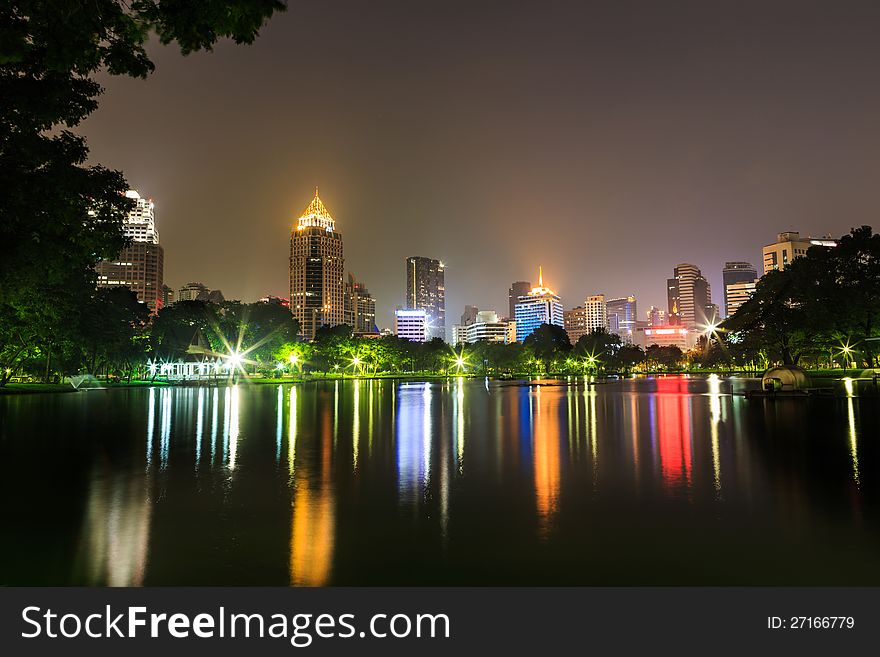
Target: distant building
{"x": 737, "y": 294}
{"x": 317, "y": 266}
{"x": 540, "y": 305}
{"x": 596, "y": 311}
{"x": 167, "y": 296}
{"x": 426, "y": 290}
{"x": 486, "y": 326}
{"x": 469, "y": 316}
{"x": 622, "y": 317}
{"x": 517, "y": 290}
{"x": 690, "y": 297}
{"x": 193, "y": 292}
{"x": 656, "y": 317}
{"x": 736, "y": 272}
{"x": 575, "y": 323}
{"x": 678, "y": 336}
{"x": 279, "y": 301}
{"x": 360, "y": 308}
{"x": 411, "y": 324}
{"x": 140, "y": 265}
{"x": 787, "y": 247}
{"x": 199, "y": 292}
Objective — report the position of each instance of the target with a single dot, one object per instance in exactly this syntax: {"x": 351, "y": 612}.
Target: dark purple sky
{"x": 608, "y": 141}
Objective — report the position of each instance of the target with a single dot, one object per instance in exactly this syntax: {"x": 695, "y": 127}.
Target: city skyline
{"x": 671, "y": 127}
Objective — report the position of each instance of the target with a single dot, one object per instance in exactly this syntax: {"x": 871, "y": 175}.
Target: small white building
{"x": 411, "y": 324}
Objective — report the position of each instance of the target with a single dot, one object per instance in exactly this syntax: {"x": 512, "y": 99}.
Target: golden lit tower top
{"x": 316, "y": 215}
{"x": 540, "y": 290}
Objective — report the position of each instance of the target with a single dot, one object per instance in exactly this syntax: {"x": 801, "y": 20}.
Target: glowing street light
{"x": 294, "y": 359}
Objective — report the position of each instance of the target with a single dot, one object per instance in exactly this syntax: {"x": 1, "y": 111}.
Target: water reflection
{"x": 547, "y": 463}
{"x": 114, "y": 543}
{"x": 714, "y": 418}
{"x": 313, "y": 521}
{"x": 387, "y": 474}
{"x": 413, "y": 439}
{"x": 674, "y": 432}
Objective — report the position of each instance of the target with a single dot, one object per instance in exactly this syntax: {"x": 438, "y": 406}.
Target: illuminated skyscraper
{"x": 139, "y": 265}
{"x": 540, "y": 305}
{"x": 690, "y": 297}
{"x": 596, "y": 312}
{"x": 736, "y": 272}
{"x": 317, "y": 288}
{"x": 426, "y": 290}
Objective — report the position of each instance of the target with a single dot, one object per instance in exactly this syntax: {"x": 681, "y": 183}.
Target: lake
{"x": 649, "y": 481}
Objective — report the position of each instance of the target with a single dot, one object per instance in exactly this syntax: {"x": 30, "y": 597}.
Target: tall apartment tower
{"x": 317, "y": 268}
{"x": 139, "y": 265}
{"x": 517, "y": 290}
{"x": 689, "y": 296}
{"x": 736, "y": 272}
{"x": 360, "y": 307}
{"x": 426, "y": 290}
{"x": 596, "y": 312}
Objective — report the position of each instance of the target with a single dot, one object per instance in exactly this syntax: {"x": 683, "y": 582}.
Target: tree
{"x": 111, "y": 330}
{"x": 599, "y": 346}
{"x": 665, "y": 357}
{"x": 59, "y": 217}
{"x": 548, "y": 343}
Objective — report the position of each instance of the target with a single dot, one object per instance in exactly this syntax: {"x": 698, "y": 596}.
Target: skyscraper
{"x": 139, "y": 265}
{"x": 360, "y": 307}
{"x": 426, "y": 290}
{"x": 596, "y": 313}
{"x": 736, "y": 272}
{"x": 689, "y": 297}
{"x": 622, "y": 317}
{"x": 517, "y": 290}
{"x": 317, "y": 289}
{"x": 540, "y": 305}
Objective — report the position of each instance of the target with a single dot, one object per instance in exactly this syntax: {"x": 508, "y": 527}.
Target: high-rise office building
{"x": 596, "y": 312}
{"x": 426, "y": 290}
{"x": 411, "y": 324}
{"x": 788, "y": 246}
{"x": 622, "y": 317}
{"x": 139, "y": 265}
{"x": 575, "y": 323}
{"x": 317, "y": 268}
{"x": 690, "y": 298}
{"x": 736, "y": 272}
{"x": 517, "y": 290}
{"x": 360, "y": 308}
{"x": 737, "y": 294}
{"x": 540, "y": 305}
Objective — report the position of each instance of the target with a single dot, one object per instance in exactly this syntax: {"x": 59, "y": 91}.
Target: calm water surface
{"x": 661, "y": 481}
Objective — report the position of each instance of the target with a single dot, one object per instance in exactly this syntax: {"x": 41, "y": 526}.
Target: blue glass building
{"x": 540, "y": 306}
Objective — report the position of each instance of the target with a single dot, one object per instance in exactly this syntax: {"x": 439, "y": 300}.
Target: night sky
{"x": 607, "y": 141}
